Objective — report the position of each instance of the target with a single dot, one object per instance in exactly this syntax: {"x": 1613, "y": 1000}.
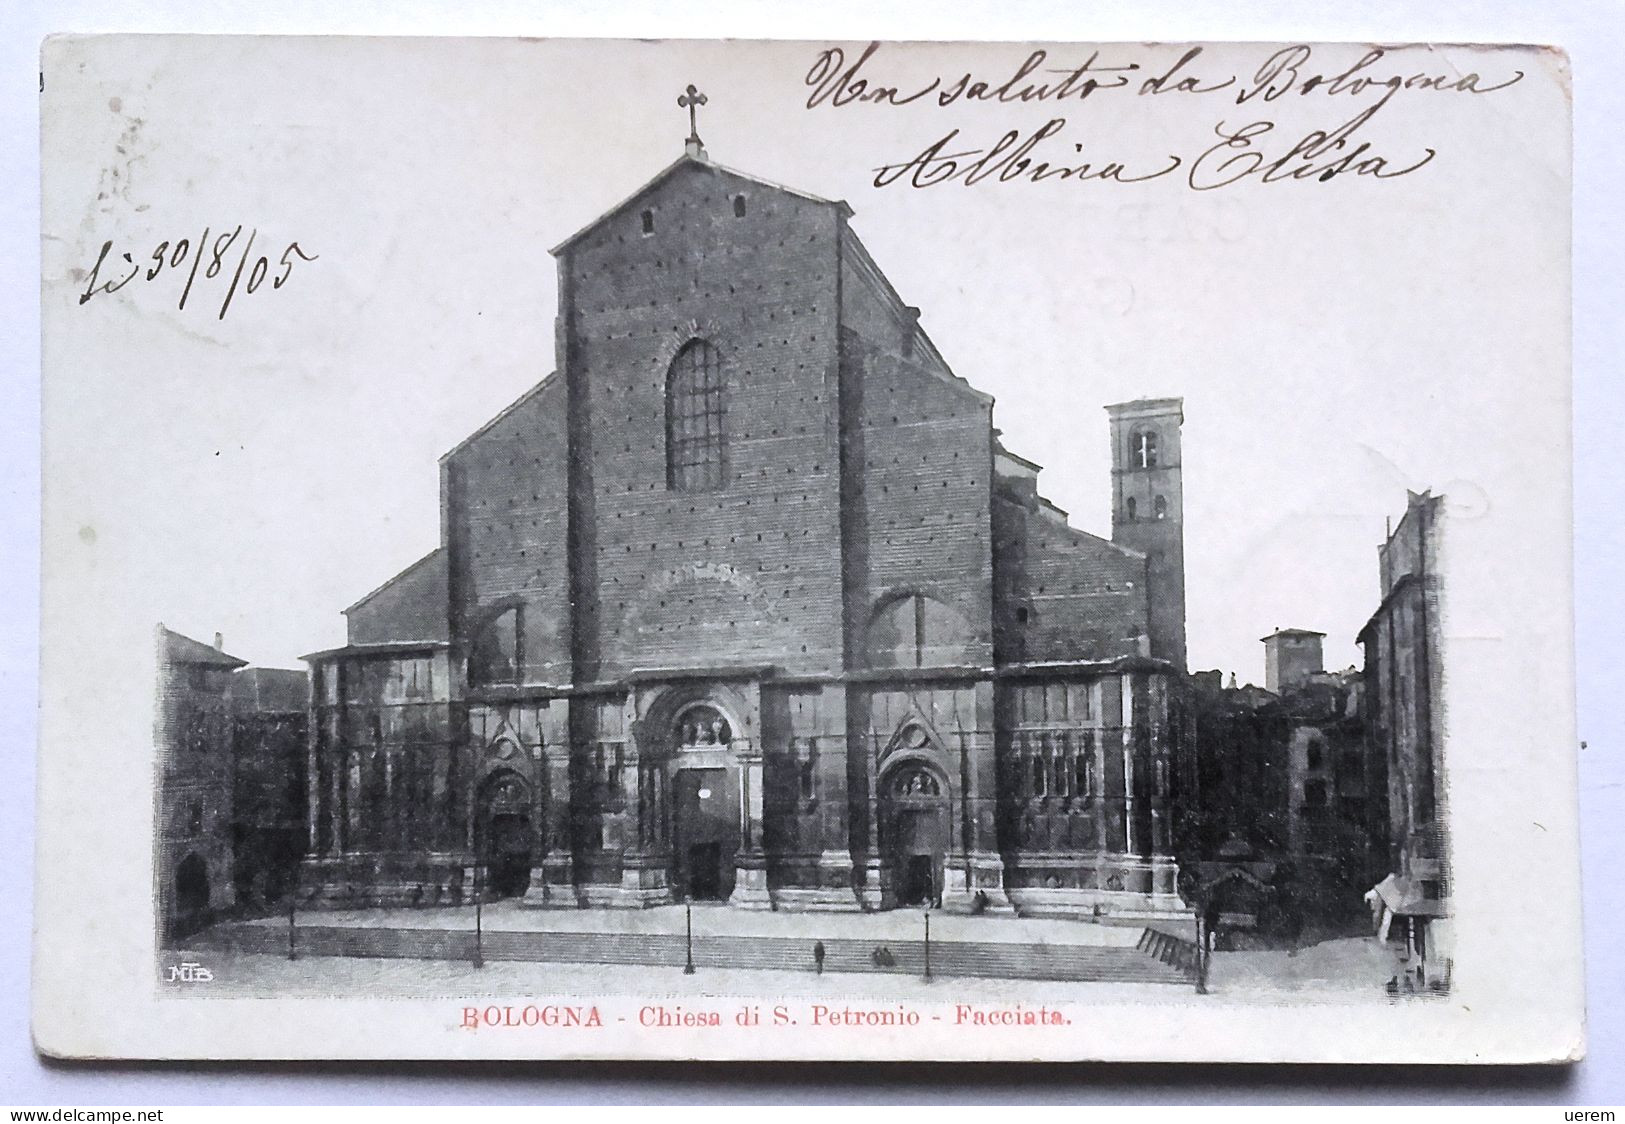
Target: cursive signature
{"x": 1255, "y": 150}
{"x": 1319, "y": 155}
{"x": 1009, "y": 158}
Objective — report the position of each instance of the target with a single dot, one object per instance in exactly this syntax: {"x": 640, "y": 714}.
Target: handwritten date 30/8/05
{"x": 211, "y": 255}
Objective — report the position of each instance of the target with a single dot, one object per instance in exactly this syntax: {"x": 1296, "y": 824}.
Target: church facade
{"x": 747, "y": 601}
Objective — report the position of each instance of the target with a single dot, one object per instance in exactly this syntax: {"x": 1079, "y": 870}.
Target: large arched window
{"x": 695, "y": 442}
{"x": 494, "y": 655}
{"x": 916, "y": 631}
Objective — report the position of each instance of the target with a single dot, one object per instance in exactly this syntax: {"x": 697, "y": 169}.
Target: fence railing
{"x": 1176, "y": 952}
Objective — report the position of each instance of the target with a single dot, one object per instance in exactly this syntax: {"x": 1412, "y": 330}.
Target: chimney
{"x": 219, "y": 643}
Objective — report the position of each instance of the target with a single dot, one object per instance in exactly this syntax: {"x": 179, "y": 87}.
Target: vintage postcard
{"x": 672, "y": 550}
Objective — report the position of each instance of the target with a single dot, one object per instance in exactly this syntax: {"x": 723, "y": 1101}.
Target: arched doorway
{"x": 191, "y": 887}
{"x": 505, "y": 834}
{"x": 914, "y": 820}
{"x": 705, "y": 828}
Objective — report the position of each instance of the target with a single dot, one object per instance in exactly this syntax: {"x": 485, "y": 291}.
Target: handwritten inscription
{"x": 212, "y": 254}
{"x": 1245, "y": 149}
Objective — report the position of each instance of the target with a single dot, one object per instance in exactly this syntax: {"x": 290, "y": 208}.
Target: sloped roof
{"x": 183, "y": 649}
{"x": 999, "y": 450}
{"x": 1404, "y": 898}
{"x": 1077, "y": 537}
{"x": 685, "y": 161}
{"x": 865, "y": 266}
{"x": 382, "y": 648}
{"x": 548, "y": 380}
{"x": 1291, "y": 632}
{"x": 433, "y": 556}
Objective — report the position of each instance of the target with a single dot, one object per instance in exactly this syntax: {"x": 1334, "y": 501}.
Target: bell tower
{"x": 1148, "y": 510}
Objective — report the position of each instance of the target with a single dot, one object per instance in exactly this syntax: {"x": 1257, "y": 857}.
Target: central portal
{"x": 919, "y": 882}
{"x": 708, "y": 797}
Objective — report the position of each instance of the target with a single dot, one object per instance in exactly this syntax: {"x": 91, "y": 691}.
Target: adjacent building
{"x": 1292, "y": 814}
{"x": 1405, "y": 716}
{"x": 270, "y": 709}
{"x": 1233, "y": 835}
{"x": 749, "y": 601}
{"x": 231, "y": 783}
{"x": 194, "y": 782}
{"x": 1333, "y": 796}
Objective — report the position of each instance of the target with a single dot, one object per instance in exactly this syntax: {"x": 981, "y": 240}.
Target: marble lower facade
{"x": 1048, "y": 795}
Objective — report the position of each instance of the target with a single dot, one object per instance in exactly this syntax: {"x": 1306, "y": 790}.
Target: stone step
{"x": 988, "y": 959}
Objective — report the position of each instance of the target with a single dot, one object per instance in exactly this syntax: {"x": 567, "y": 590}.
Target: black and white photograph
{"x": 676, "y": 549}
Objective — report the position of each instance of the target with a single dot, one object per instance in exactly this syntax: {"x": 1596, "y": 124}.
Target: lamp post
{"x": 293, "y": 899}
{"x": 928, "y": 945}
{"x": 546, "y": 900}
{"x": 1201, "y": 952}
{"x": 479, "y": 898}
{"x": 539, "y": 809}
{"x": 688, "y": 936}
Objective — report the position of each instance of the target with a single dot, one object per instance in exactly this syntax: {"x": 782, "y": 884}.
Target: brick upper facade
{"x": 845, "y": 428}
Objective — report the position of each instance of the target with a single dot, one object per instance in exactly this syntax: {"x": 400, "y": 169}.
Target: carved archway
{"x": 701, "y": 726}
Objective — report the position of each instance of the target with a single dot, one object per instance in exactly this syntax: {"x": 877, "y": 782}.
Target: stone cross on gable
{"x": 691, "y": 101}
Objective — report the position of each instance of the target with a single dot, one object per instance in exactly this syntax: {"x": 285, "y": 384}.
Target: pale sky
{"x": 1335, "y": 343}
